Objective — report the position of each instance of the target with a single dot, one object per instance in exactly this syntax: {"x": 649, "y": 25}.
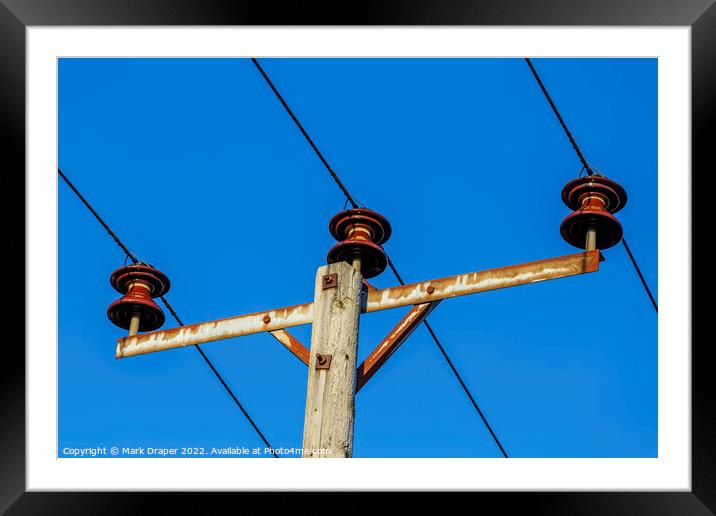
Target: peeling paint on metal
{"x": 394, "y": 297}
{"x": 390, "y": 344}
{"x": 474, "y": 282}
{"x": 293, "y": 345}
{"x": 215, "y": 330}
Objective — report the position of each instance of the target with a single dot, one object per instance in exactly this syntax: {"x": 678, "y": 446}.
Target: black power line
{"x": 335, "y": 177}
{"x": 114, "y": 236}
{"x": 134, "y": 259}
{"x": 641, "y": 276}
{"x": 390, "y": 262}
{"x": 586, "y": 165}
{"x": 589, "y": 170}
{"x": 464, "y": 388}
{"x": 454, "y": 370}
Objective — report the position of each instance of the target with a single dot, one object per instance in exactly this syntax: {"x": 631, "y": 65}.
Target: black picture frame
{"x": 17, "y": 15}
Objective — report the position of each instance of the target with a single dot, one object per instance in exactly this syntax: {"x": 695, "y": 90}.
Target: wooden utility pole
{"x": 330, "y": 397}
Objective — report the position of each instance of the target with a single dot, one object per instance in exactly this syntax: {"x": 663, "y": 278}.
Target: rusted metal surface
{"x": 323, "y": 361}
{"x": 292, "y": 344}
{"x": 392, "y": 342}
{"x": 281, "y": 318}
{"x": 329, "y": 281}
{"x": 375, "y": 300}
{"x": 474, "y": 282}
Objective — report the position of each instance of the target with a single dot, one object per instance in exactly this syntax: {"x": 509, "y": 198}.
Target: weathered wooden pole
{"x": 330, "y": 398}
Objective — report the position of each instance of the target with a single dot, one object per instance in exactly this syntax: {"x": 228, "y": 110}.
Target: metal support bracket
{"x": 329, "y": 281}
{"x": 392, "y": 342}
{"x": 323, "y": 361}
{"x": 292, "y": 344}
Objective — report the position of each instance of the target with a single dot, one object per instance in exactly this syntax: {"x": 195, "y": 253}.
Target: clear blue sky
{"x": 202, "y": 173}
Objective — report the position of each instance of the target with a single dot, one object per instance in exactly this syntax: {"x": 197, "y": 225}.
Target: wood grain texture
{"x": 330, "y": 397}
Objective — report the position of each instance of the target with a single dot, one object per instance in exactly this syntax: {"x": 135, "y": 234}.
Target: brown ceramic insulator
{"x": 122, "y": 278}
{"x": 575, "y": 226}
{"x": 594, "y": 189}
{"x": 373, "y": 257}
{"x": 137, "y": 300}
{"x": 360, "y": 224}
{"x": 594, "y": 199}
{"x": 139, "y": 283}
{"x": 360, "y": 233}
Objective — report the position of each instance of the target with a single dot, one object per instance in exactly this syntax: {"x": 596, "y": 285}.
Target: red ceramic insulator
{"x": 593, "y": 199}
{"x": 346, "y": 222}
{"x": 139, "y": 283}
{"x": 575, "y": 226}
{"x": 373, "y": 257}
{"x": 360, "y": 233}
{"x": 121, "y": 311}
{"x": 156, "y": 279}
{"x": 583, "y": 190}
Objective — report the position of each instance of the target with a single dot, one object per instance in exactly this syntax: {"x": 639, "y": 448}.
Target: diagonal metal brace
{"x": 392, "y": 342}
{"x": 292, "y": 344}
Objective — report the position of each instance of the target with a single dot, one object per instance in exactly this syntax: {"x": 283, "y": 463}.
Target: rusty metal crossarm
{"x": 258, "y": 322}
{"x": 375, "y": 300}
{"x": 483, "y": 281}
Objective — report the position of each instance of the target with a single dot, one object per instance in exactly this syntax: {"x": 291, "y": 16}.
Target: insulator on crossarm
{"x": 592, "y": 224}
{"x": 136, "y": 311}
